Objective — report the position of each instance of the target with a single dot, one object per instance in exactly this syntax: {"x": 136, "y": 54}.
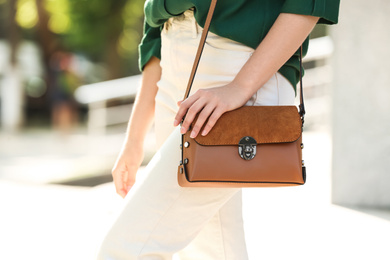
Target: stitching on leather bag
{"x": 265, "y": 142}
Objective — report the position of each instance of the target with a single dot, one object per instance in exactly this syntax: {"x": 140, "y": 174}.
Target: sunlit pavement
{"x": 55, "y": 222}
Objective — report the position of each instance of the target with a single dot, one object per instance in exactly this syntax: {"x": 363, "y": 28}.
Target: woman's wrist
{"x": 246, "y": 86}
{"x": 134, "y": 142}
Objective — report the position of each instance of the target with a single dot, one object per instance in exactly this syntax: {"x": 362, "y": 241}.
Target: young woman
{"x": 250, "y": 58}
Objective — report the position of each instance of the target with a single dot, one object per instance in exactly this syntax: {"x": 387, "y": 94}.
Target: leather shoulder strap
{"x": 200, "y": 50}
{"x": 200, "y": 47}
{"x": 302, "y": 110}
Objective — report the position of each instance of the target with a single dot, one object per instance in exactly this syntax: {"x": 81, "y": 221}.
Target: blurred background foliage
{"x": 93, "y": 40}
{"x": 106, "y": 31}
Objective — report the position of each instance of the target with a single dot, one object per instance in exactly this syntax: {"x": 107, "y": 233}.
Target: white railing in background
{"x": 98, "y": 95}
{"x": 101, "y": 114}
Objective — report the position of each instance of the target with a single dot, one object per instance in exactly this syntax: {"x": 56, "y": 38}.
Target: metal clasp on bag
{"x": 247, "y": 148}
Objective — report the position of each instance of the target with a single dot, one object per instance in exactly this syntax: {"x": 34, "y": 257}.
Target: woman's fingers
{"x": 203, "y": 102}
{"x": 119, "y": 175}
{"x": 130, "y": 179}
{"x": 196, "y": 107}
{"x": 210, "y": 104}
{"x": 124, "y": 179}
{"x": 183, "y": 107}
{"x": 126, "y": 166}
{"x": 188, "y": 108}
{"x": 202, "y": 118}
{"x": 212, "y": 120}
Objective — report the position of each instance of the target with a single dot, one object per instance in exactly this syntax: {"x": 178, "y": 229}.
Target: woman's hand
{"x": 210, "y": 104}
{"x": 126, "y": 167}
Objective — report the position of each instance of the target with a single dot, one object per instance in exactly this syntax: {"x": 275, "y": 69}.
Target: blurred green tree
{"x": 104, "y": 31}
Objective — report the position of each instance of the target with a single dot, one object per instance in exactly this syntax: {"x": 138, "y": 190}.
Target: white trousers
{"x": 160, "y": 218}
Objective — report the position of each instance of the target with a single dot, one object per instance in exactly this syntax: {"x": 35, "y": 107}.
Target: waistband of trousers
{"x": 185, "y": 21}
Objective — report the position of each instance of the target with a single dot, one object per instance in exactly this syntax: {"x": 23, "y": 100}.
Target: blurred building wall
{"x": 361, "y": 105}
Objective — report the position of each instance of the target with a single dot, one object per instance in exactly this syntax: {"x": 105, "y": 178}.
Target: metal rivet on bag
{"x": 303, "y": 163}
{"x": 185, "y": 161}
{"x": 186, "y": 144}
{"x": 302, "y": 146}
{"x": 181, "y": 170}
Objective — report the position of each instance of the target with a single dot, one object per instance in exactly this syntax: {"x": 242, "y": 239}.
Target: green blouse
{"x": 244, "y": 21}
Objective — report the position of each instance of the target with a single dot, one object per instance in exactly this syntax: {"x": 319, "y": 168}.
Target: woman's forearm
{"x": 282, "y": 41}
{"x": 143, "y": 110}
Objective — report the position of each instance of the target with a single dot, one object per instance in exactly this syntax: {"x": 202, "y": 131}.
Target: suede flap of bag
{"x": 266, "y": 124}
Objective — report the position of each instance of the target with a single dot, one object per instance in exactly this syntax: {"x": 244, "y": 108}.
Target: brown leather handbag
{"x": 253, "y": 146}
